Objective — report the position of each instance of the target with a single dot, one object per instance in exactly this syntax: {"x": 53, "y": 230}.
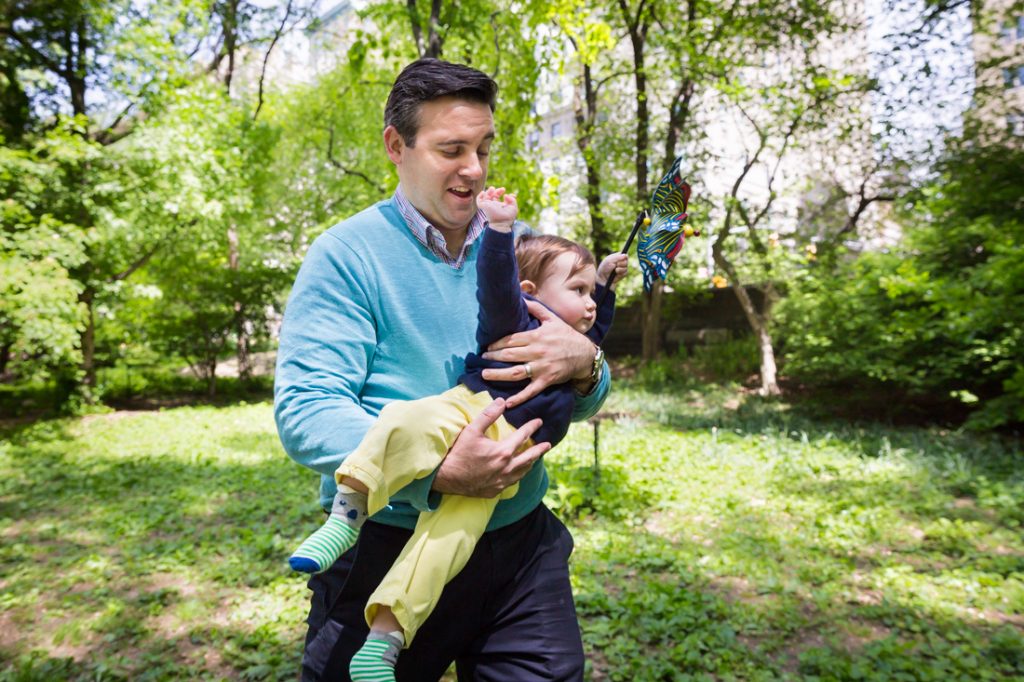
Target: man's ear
{"x": 394, "y": 145}
{"x": 528, "y": 287}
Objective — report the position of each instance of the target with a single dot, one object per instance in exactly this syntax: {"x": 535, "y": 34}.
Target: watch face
{"x": 598, "y": 364}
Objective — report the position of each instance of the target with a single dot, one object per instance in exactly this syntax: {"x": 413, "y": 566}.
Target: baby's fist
{"x": 499, "y": 208}
{"x": 617, "y": 264}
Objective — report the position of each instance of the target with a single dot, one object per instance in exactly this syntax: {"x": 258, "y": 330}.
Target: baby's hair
{"x": 535, "y": 253}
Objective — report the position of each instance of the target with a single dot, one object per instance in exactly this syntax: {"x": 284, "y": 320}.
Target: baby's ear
{"x": 528, "y": 287}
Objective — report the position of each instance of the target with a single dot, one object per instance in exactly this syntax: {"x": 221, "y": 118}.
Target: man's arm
{"x": 327, "y": 339}
{"x": 557, "y": 353}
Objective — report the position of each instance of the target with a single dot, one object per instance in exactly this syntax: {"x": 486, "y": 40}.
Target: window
{"x": 533, "y": 139}
{"x": 1013, "y": 77}
{"x": 1012, "y": 30}
{"x": 556, "y": 129}
{"x": 1015, "y": 124}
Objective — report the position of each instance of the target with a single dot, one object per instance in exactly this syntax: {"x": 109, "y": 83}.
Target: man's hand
{"x": 477, "y": 466}
{"x": 556, "y": 352}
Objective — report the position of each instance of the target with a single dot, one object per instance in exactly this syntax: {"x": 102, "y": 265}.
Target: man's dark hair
{"x": 429, "y": 79}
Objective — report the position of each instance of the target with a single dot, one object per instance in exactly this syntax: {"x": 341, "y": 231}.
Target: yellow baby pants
{"x": 407, "y": 442}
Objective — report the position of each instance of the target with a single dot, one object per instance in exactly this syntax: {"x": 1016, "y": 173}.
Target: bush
{"x": 938, "y": 323}
{"x": 733, "y": 360}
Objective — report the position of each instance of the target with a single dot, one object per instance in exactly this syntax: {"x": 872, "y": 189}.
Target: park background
{"x": 810, "y": 463}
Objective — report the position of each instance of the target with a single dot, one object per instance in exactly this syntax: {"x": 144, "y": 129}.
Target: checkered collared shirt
{"x": 431, "y": 237}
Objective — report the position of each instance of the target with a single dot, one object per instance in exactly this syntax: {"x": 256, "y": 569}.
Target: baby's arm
{"x": 502, "y": 309}
{"x": 616, "y": 263}
{"x": 500, "y": 208}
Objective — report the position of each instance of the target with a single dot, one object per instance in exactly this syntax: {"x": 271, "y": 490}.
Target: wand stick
{"x": 641, "y": 219}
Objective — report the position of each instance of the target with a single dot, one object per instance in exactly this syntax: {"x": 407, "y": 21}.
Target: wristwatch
{"x": 585, "y": 387}
{"x": 595, "y": 373}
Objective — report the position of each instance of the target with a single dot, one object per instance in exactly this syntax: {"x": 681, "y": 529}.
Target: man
{"x": 384, "y": 308}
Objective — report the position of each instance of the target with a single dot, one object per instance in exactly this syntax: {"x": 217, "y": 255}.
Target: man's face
{"x": 445, "y": 170}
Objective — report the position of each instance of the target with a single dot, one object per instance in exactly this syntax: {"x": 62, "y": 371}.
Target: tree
{"x": 128, "y": 191}
{"x": 759, "y": 65}
{"x": 40, "y": 314}
{"x": 76, "y": 47}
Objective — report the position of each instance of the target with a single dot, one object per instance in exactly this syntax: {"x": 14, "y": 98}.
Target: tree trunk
{"x": 586, "y": 114}
{"x": 74, "y": 61}
{"x": 638, "y": 28}
{"x": 243, "y": 339}
{"x": 5, "y": 358}
{"x": 230, "y": 20}
{"x": 769, "y": 376}
{"x": 759, "y": 325}
{"x": 88, "y": 340}
{"x": 651, "y": 334}
{"x": 434, "y": 41}
{"x": 211, "y": 377}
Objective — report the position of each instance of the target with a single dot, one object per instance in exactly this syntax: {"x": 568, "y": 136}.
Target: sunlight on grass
{"x": 718, "y": 536}
{"x": 793, "y": 548}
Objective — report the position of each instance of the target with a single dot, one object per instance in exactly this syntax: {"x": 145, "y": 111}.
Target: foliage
{"x": 736, "y": 359}
{"x": 938, "y": 319}
{"x": 40, "y": 314}
{"x": 731, "y": 538}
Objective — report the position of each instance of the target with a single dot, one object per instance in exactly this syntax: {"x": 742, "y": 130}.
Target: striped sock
{"x": 375, "y": 662}
{"x": 341, "y": 530}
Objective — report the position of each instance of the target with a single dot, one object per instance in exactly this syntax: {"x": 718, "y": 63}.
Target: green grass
{"x": 720, "y": 537}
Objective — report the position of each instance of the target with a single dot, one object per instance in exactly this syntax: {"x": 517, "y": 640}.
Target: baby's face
{"x": 570, "y": 294}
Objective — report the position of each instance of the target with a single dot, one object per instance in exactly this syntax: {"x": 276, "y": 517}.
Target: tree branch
{"x": 348, "y": 171}
{"x": 46, "y": 61}
{"x": 266, "y": 58}
{"x": 497, "y": 46}
{"x": 148, "y": 255}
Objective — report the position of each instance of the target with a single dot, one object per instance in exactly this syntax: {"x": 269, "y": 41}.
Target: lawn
{"x": 720, "y": 536}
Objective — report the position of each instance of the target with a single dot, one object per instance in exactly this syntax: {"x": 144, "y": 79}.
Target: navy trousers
{"x": 507, "y": 617}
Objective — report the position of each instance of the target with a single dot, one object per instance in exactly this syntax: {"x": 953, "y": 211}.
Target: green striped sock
{"x": 375, "y": 662}
{"x": 335, "y": 537}
{"x": 321, "y": 549}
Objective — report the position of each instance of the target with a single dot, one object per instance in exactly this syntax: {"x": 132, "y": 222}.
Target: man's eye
{"x": 450, "y": 153}
{"x": 483, "y": 152}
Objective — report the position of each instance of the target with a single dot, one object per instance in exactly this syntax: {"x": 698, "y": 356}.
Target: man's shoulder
{"x": 372, "y": 224}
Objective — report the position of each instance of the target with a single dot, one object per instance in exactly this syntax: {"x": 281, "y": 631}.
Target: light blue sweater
{"x": 374, "y": 317}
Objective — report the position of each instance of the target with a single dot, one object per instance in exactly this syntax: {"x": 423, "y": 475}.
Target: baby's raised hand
{"x": 500, "y": 208}
{"x": 617, "y": 263}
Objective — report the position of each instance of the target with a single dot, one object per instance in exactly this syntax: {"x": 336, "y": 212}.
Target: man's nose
{"x": 472, "y": 168}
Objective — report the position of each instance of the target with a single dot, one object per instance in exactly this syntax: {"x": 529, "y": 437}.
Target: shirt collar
{"x": 431, "y": 237}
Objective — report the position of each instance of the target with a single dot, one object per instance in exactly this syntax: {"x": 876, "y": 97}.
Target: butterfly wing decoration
{"x": 660, "y": 242}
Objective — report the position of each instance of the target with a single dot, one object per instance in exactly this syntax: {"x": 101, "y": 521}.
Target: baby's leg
{"x": 407, "y": 442}
{"x": 320, "y": 550}
{"x": 376, "y": 660}
{"x": 438, "y": 549}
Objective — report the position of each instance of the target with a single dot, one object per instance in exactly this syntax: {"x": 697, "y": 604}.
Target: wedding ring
{"x": 529, "y": 371}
